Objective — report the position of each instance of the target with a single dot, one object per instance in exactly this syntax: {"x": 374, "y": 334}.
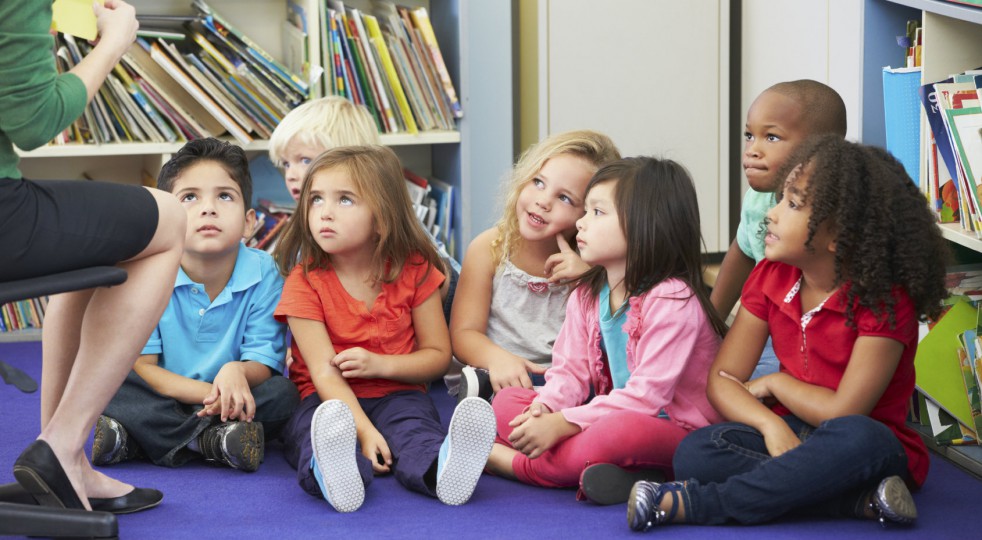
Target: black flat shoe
{"x": 134, "y": 501}
{"x": 37, "y": 470}
{"x": 606, "y": 484}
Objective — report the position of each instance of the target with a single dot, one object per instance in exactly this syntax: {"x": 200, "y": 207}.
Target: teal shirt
{"x": 614, "y": 339}
{"x": 197, "y": 336}
{"x": 750, "y": 236}
{"x": 36, "y": 103}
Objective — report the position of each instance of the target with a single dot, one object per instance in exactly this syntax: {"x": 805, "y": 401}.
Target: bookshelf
{"x": 475, "y": 39}
{"x": 952, "y": 44}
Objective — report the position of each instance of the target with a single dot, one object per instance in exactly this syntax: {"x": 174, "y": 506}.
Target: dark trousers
{"x": 407, "y": 420}
{"x": 730, "y": 476}
{"x": 163, "y": 427}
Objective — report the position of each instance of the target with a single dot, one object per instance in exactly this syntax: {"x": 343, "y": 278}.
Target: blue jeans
{"x": 163, "y": 426}
{"x": 730, "y": 476}
{"x": 409, "y": 422}
{"x": 768, "y": 362}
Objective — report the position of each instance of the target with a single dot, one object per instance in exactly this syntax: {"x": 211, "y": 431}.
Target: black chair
{"x": 19, "y": 514}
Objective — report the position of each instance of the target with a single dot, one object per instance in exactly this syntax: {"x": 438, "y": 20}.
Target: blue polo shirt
{"x": 196, "y": 337}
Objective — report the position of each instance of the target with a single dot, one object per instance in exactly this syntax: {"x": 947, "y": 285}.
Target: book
{"x": 965, "y": 129}
{"x": 421, "y": 20}
{"x": 936, "y": 361}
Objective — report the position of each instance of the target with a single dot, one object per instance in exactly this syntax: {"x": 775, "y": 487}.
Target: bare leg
{"x": 87, "y": 356}
{"x": 499, "y": 462}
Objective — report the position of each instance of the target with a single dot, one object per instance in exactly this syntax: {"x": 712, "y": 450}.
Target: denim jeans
{"x": 730, "y": 476}
{"x": 163, "y": 427}
{"x": 768, "y": 362}
{"x": 409, "y": 422}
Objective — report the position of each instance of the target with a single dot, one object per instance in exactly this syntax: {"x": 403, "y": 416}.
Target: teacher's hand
{"x": 117, "y": 25}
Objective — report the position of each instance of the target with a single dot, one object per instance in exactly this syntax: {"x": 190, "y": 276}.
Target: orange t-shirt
{"x": 385, "y": 329}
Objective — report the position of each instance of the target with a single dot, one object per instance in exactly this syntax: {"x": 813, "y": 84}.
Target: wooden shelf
{"x": 140, "y": 149}
{"x": 948, "y": 9}
{"x": 967, "y": 458}
{"x": 955, "y": 233}
{"x": 30, "y": 334}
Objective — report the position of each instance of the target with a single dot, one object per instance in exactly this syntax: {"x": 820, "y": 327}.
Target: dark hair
{"x": 659, "y": 214}
{"x": 885, "y": 234}
{"x": 231, "y": 157}
{"x": 377, "y": 173}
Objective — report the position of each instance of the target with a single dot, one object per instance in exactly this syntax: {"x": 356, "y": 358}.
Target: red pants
{"x": 626, "y": 438}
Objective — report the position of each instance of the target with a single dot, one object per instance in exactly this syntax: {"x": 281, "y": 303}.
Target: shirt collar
{"x": 247, "y": 272}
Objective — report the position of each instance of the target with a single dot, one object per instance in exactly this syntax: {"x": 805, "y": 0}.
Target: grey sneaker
{"x": 892, "y": 502}
{"x": 111, "y": 444}
{"x": 333, "y": 438}
{"x": 465, "y": 451}
{"x": 644, "y": 504}
{"x": 239, "y": 445}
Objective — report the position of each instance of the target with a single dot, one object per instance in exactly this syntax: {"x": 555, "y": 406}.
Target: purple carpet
{"x": 209, "y": 502}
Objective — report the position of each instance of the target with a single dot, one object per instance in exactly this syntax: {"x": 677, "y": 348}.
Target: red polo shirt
{"x": 819, "y": 353}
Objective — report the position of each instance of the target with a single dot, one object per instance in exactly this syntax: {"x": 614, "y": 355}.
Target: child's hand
{"x": 357, "y": 362}
{"x": 508, "y": 370}
{"x": 779, "y": 438}
{"x": 758, "y": 387}
{"x": 536, "y": 434}
{"x": 534, "y": 410}
{"x": 230, "y": 394}
{"x": 374, "y": 447}
{"x": 566, "y": 264}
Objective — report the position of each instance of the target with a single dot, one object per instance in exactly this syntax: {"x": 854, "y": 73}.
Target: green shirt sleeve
{"x": 36, "y": 103}
{"x": 753, "y": 212}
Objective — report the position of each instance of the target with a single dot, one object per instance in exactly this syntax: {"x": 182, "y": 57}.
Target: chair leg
{"x": 20, "y": 516}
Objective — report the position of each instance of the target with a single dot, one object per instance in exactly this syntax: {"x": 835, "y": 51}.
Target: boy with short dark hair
{"x": 778, "y": 121}
{"x": 208, "y": 382}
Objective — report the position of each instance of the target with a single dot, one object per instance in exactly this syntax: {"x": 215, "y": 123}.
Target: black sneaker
{"x": 607, "y": 484}
{"x": 474, "y": 382}
{"x": 236, "y": 444}
{"x": 111, "y": 444}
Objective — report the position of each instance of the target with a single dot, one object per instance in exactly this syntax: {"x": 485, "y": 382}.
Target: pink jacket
{"x": 671, "y": 345}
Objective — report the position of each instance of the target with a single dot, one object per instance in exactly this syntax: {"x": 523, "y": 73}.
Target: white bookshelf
{"x": 475, "y": 39}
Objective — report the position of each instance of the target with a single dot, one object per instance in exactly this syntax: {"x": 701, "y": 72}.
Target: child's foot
{"x": 335, "y": 465}
{"x": 646, "y": 506}
{"x": 605, "y": 483}
{"x": 111, "y": 443}
{"x": 465, "y": 451}
{"x": 474, "y": 382}
{"x": 239, "y": 445}
{"x": 891, "y": 501}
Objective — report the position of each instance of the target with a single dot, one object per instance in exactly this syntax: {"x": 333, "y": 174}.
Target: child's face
{"x": 552, "y": 201}
{"x": 787, "y": 227}
{"x": 217, "y": 216}
{"x": 297, "y": 159}
{"x": 774, "y": 129}
{"x": 339, "y": 218}
{"x": 600, "y": 238}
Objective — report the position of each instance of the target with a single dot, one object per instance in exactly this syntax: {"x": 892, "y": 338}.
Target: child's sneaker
{"x": 892, "y": 502}
{"x": 465, "y": 451}
{"x": 236, "y": 444}
{"x": 607, "y": 484}
{"x": 335, "y": 465}
{"x": 111, "y": 444}
{"x": 474, "y": 382}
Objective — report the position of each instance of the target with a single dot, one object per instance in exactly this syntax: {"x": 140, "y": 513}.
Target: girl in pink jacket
{"x": 628, "y": 379}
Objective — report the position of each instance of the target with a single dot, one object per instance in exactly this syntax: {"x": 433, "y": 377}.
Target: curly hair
{"x": 596, "y": 148}
{"x": 885, "y": 234}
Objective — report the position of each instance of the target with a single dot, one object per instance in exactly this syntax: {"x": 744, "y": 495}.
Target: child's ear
{"x": 250, "y": 224}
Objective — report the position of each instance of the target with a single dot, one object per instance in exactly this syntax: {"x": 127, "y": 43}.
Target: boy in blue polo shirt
{"x": 208, "y": 382}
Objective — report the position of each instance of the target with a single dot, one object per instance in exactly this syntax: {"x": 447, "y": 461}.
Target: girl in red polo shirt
{"x": 846, "y": 279}
{"x": 368, "y": 334}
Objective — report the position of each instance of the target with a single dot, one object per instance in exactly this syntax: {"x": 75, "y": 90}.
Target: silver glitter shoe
{"x": 892, "y": 502}
{"x": 643, "y": 506}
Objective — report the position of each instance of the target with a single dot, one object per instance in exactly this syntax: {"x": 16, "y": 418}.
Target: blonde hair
{"x": 325, "y": 123}
{"x": 377, "y": 174}
{"x": 596, "y": 148}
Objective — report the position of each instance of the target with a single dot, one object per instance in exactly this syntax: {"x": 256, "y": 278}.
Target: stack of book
{"x": 23, "y": 314}
{"x": 215, "y": 80}
{"x": 953, "y": 149}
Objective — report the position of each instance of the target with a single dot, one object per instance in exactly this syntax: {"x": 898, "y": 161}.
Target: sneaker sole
{"x": 607, "y": 484}
{"x": 895, "y": 501}
{"x": 472, "y": 432}
{"x": 333, "y": 437}
{"x": 250, "y": 447}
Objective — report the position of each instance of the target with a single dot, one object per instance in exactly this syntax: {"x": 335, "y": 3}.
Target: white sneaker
{"x": 335, "y": 465}
{"x": 465, "y": 451}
